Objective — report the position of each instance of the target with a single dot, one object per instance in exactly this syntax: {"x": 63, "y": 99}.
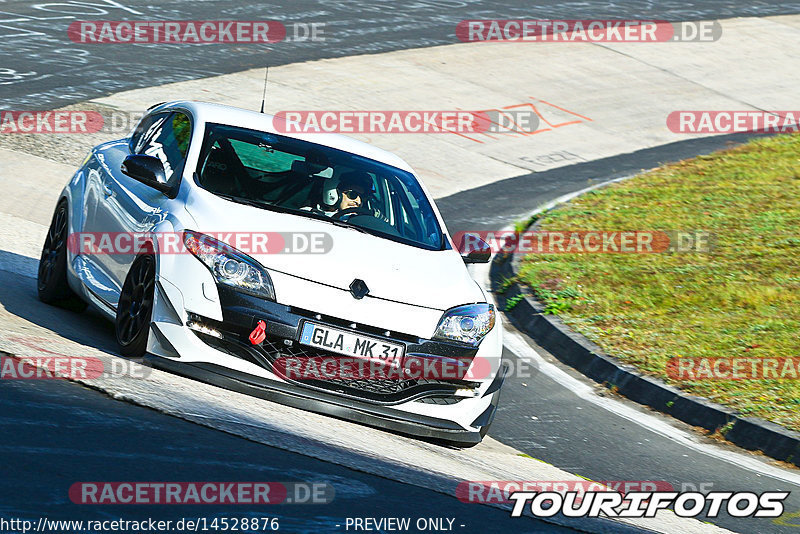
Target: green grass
{"x": 742, "y": 299}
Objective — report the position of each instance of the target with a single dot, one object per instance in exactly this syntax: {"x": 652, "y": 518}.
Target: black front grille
{"x": 383, "y": 391}
{"x": 275, "y": 348}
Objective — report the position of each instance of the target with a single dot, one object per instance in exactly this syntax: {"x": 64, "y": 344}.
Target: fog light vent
{"x": 203, "y": 329}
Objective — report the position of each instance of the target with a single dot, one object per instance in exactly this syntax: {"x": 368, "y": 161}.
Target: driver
{"x": 353, "y": 187}
{"x": 351, "y": 193}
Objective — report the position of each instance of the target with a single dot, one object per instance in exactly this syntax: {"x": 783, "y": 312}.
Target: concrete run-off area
{"x": 593, "y": 101}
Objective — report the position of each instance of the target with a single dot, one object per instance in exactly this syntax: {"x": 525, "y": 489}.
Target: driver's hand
{"x": 378, "y": 215}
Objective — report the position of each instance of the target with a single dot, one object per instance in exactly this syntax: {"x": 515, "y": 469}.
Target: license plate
{"x": 350, "y": 344}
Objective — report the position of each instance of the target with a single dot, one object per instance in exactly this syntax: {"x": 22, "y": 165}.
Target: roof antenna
{"x": 264, "y": 96}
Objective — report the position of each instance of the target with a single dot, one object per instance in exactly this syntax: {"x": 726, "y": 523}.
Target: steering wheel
{"x": 349, "y": 212}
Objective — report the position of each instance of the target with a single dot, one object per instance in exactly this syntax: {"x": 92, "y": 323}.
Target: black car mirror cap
{"x": 477, "y": 251}
{"x": 148, "y": 170}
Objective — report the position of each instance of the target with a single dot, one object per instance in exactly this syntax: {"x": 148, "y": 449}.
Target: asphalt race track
{"x": 541, "y": 417}
{"x": 56, "y": 423}
{"x": 40, "y": 68}
{"x": 57, "y": 433}
{"x": 106, "y": 440}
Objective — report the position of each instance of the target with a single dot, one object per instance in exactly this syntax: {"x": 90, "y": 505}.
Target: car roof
{"x": 206, "y": 112}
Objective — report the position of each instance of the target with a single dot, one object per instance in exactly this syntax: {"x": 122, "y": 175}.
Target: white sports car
{"x": 345, "y": 294}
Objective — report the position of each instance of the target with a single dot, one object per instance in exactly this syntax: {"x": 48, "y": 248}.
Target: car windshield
{"x": 304, "y": 178}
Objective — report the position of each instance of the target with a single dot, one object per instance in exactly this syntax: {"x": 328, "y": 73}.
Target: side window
{"x": 143, "y": 131}
{"x": 167, "y": 138}
{"x": 413, "y": 222}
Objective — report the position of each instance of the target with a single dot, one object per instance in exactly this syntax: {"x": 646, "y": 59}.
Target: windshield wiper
{"x": 242, "y": 200}
{"x": 344, "y": 224}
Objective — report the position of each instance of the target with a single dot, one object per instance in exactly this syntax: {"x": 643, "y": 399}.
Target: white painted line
{"x": 514, "y": 342}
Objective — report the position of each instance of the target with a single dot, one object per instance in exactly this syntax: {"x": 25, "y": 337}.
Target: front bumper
{"x": 422, "y": 407}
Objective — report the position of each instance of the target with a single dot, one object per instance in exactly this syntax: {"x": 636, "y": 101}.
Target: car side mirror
{"x": 146, "y": 169}
{"x": 474, "y": 249}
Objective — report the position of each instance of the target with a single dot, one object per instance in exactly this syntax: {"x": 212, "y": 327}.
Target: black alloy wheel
{"x": 135, "y": 307}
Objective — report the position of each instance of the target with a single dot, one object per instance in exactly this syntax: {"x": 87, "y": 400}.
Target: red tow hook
{"x": 258, "y": 335}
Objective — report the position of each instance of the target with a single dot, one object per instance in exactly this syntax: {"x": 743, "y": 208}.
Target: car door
{"x": 129, "y": 207}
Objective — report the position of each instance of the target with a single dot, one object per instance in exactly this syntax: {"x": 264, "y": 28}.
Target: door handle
{"x": 107, "y": 191}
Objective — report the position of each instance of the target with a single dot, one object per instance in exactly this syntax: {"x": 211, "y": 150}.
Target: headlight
{"x": 229, "y": 266}
{"x": 467, "y": 324}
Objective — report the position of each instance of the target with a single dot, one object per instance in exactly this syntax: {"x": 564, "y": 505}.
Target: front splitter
{"x": 416, "y": 425}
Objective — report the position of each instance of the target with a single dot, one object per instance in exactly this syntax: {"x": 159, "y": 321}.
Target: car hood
{"x": 392, "y": 271}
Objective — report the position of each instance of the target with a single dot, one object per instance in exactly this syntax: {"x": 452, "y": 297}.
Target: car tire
{"x": 51, "y": 278}
{"x": 135, "y": 308}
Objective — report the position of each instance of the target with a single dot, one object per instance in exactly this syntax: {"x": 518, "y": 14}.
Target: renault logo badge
{"x": 359, "y": 289}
